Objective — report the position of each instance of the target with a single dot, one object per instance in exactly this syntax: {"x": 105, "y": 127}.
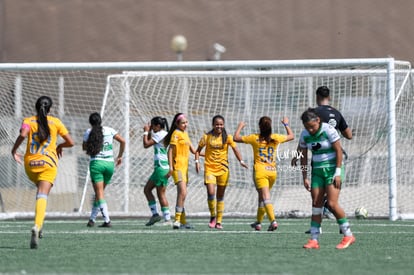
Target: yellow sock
{"x": 212, "y": 207}
{"x": 220, "y": 210}
{"x": 178, "y": 216}
{"x": 183, "y": 220}
{"x": 260, "y": 214}
{"x": 270, "y": 211}
{"x": 40, "y": 211}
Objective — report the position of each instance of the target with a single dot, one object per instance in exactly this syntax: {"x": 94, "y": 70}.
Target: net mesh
{"x": 128, "y": 100}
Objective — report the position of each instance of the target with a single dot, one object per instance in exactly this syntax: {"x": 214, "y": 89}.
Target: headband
{"x": 180, "y": 117}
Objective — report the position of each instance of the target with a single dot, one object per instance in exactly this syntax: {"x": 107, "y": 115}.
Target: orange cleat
{"x": 346, "y": 241}
{"x": 312, "y": 244}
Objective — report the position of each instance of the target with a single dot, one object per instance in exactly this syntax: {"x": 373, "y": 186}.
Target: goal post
{"x": 375, "y": 96}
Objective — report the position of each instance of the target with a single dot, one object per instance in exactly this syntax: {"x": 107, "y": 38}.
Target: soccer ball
{"x": 361, "y": 213}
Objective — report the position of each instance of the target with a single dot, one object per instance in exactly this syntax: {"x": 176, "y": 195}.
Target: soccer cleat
{"x": 176, "y": 225}
{"x": 34, "y": 241}
{"x": 256, "y": 226}
{"x": 106, "y": 224}
{"x": 90, "y": 223}
{"x": 272, "y": 226}
{"x": 212, "y": 223}
{"x": 312, "y": 244}
{"x": 346, "y": 241}
{"x": 40, "y": 234}
{"x": 155, "y": 218}
{"x": 219, "y": 226}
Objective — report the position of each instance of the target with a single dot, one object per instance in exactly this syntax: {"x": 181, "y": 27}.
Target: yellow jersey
{"x": 216, "y": 153}
{"x": 265, "y": 154}
{"x": 45, "y": 151}
{"x": 182, "y": 144}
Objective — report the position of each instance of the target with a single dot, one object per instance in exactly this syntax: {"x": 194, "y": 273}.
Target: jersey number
{"x": 36, "y": 147}
{"x": 266, "y": 154}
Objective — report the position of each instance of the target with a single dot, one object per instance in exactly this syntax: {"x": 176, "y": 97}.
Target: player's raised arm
{"x": 237, "y": 137}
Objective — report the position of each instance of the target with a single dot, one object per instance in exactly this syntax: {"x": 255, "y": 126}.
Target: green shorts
{"x": 322, "y": 177}
{"x": 101, "y": 171}
{"x": 159, "y": 176}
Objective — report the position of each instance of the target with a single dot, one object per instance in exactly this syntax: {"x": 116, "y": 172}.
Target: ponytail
{"x": 94, "y": 143}
{"x": 43, "y": 105}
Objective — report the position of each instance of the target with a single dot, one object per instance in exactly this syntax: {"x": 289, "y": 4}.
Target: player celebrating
{"x": 178, "y": 155}
{"x": 41, "y": 157}
{"x": 216, "y": 167}
{"x": 264, "y": 146}
{"x": 324, "y": 142}
{"x": 154, "y": 135}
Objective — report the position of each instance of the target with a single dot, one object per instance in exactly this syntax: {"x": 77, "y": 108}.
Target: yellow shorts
{"x": 39, "y": 170}
{"x": 180, "y": 175}
{"x": 214, "y": 178}
{"x": 264, "y": 179}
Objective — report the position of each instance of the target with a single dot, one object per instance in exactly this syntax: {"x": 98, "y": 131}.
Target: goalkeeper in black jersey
{"x": 329, "y": 114}
{"x": 334, "y": 118}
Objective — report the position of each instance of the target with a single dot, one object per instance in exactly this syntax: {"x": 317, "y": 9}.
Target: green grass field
{"x": 129, "y": 247}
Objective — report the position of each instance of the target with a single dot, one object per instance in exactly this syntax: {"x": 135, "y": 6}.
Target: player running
{"x": 41, "y": 157}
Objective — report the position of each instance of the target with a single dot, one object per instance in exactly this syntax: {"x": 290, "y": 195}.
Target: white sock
{"x": 166, "y": 214}
{"x": 104, "y": 210}
{"x": 315, "y": 232}
{"x": 345, "y": 229}
{"x": 94, "y": 213}
{"x": 153, "y": 208}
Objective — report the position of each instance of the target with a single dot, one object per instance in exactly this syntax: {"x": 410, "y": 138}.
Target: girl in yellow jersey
{"x": 178, "y": 155}
{"x": 264, "y": 146}
{"x": 216, "y": 167}
{"x": 41, "y": 157}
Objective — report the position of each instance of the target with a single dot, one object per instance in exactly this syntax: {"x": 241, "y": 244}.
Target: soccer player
{"x": 154, "y": 134}
{"x": 216, "y": 167}
{"x": 41, "y": 157}
{"x": 98, "y": 144}
{"x": 178, "y": 155}
{"x": 324, "y": 142}
{"x": 334, "y": 118}
{"x": 329, "y": 114}
{"x": 264, "y": 146}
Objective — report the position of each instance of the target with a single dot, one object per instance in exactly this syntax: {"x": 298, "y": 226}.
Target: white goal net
{"x": 375, "y": 98}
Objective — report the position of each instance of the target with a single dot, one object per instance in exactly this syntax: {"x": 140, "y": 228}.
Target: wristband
{"x": 285, "y": 124}
{"x": 242, "y": 162}
{"x": 337, "y": 172}
{"x": 145, "y": 133}
{"x": 196, "y": 161}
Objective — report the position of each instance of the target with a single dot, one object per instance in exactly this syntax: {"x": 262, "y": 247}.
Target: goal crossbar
{"x": 390, "y": 83}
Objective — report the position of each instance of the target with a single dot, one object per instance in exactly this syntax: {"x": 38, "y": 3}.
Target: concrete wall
{"x": 141, "y": 30}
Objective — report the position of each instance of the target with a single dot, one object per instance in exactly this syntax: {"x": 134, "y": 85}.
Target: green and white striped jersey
{"x": 160, "y": 152}
{"x": 323, "y": 154}
{"x": 107, "y": 152}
